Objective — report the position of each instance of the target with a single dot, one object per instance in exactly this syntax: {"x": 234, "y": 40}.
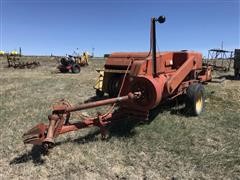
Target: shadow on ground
{"x": 35, "y": 155}
{"x": 228, "y": 77}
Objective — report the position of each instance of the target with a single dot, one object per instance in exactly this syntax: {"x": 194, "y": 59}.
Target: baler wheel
{"x": 195, "y": 99}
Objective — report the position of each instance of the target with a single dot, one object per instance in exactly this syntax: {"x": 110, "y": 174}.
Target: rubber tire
{"x": 99, "y": 93}
{"x": 76, "y": 68}
{"x": 191, "y": 99}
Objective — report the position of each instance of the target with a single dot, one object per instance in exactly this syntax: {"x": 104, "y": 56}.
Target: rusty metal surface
{"x": 176, "y": 79}
{"x": 220, "y": 59}
{"x": 15, "y": 61}
{"x": 36, "y": 135}
{"x": 101, "y": 102}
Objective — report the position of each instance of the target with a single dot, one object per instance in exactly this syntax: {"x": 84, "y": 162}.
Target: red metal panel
{"x": 151, "y": 92}
{"x": 178, "y": 77}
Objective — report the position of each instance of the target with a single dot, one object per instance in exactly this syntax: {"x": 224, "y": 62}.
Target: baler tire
{"x": 76, "y": 68}
{"x": 99, "y": 93}
{"x": 195, "y": 99}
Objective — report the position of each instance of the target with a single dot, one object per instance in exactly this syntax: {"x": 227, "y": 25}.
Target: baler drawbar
{"x": 59, "y": 120}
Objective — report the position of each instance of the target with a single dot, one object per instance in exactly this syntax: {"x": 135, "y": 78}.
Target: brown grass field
{"x": 172, "y": 146}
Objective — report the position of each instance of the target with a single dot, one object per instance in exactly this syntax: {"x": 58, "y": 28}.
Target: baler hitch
{"x": 43, "y": 134}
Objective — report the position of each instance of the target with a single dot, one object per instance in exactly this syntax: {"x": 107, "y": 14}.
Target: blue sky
{"x": 59, "y": 27}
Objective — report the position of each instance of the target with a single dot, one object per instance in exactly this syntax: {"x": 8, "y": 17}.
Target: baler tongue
{"x": 59, "y": 120}
{"x": 36, "y": 135}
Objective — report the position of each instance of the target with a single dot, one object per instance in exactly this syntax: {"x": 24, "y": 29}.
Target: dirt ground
{"x": 172, "y": 146}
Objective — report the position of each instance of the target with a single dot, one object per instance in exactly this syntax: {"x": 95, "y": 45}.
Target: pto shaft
{"x": 130, "y": 96}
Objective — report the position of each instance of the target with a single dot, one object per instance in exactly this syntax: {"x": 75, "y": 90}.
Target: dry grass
{"x": 173, "y": 145}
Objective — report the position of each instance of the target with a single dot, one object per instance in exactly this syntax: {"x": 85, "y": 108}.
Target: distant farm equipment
{"x": 237, "y": 63}
{"x": 2, "y": 53}
{"x": 73, "y": 63}
{"x": 219, "y": 59}
{"x": 137, "y": 82}
{"x": 16, "y": 60}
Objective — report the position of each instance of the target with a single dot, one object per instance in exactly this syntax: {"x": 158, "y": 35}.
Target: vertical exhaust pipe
{"x": 160, "y": 19}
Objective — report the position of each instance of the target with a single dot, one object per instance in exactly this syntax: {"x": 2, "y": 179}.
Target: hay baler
{"x": 146, "y": 80}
